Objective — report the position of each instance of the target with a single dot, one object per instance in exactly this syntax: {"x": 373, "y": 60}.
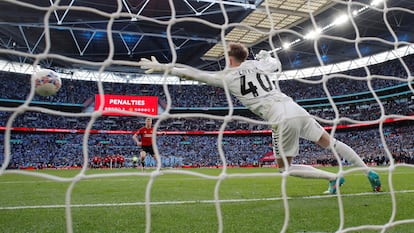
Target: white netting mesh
{"x": 334, "y": 114}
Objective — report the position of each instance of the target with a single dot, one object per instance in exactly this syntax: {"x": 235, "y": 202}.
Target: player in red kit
{"x": 145, "y": 141}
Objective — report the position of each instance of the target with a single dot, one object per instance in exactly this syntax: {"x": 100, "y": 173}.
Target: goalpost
{"x": 264, "y": 25}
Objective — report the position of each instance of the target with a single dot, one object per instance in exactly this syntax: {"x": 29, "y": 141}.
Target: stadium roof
{"x": 79, "y": 30}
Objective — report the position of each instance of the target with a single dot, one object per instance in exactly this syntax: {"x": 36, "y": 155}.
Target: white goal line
{"x": 197, "y": 201}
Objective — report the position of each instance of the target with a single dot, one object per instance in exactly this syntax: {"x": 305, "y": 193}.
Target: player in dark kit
{"x": 145, "y": 141}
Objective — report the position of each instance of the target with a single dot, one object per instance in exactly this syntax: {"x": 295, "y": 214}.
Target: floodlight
{"x": 286, "y": 45}
{"x": 376, "y": 2}
{"x": 341, "y": 19}
{"x": 313, "y": 34}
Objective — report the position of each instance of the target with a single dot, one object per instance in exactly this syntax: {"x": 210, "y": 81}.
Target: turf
{"x": 186, "y": 202}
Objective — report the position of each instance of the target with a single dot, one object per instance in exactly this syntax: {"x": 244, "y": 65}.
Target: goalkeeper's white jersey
{"x": 254, "y": 84}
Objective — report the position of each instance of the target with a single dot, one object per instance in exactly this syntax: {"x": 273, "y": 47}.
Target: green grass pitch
{"x": 185, "y": 202}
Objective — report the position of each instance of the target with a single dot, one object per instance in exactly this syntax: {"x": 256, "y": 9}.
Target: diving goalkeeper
{"x": 248, "y": 80}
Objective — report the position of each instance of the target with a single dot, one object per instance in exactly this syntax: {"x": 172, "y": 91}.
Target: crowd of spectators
{"x": 65, "y": 149}
{"x": 389, "y": 81}
{"x": 380, "y": 76}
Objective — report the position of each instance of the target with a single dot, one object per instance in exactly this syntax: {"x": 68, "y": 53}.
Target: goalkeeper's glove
{"x": 151, "y": 66}
{"x": 262, "y": 55}
{"x": 269, "y": 63}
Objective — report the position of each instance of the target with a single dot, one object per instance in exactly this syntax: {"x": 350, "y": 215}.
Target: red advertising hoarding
{"x": 141, "y": 104}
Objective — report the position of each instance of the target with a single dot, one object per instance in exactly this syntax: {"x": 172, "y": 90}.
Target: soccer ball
{"x": 47, "y": 82}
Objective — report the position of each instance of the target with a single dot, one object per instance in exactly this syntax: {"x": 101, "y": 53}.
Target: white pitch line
{"x": 195, "y": 201}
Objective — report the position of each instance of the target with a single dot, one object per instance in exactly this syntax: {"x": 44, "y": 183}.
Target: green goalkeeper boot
{"x": 375, "y": 181}
{"x": 332, "y": 185}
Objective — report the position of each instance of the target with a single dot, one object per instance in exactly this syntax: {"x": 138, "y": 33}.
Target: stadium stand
{"x": 352, "y": 97}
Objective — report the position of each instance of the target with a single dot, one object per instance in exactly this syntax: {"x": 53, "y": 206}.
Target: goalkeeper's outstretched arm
{"x": 189, "y": 73}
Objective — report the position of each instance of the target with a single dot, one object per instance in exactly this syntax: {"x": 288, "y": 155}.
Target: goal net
{"x": 348, "y": 63}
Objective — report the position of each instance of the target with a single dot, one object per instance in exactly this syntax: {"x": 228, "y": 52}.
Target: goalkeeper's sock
{"x": 350, "y": 155}
{"x": 306, "y": 171}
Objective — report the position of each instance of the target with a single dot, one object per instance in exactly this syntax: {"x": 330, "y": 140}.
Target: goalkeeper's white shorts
{"x": 297, "y": 124}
